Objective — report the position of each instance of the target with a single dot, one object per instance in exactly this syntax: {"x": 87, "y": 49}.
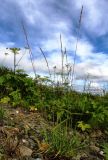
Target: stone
{"x": 25, "y": 151}
{"x": 96, "y": 134}
{"x": 101, "y": 153}
{"x": 94, "y": 149}
{"x": 25, "y": 142}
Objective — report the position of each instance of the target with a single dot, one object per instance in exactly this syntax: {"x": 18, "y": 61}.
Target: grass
{"x": 62, "y": 142}
{"x": 2, "y": 115}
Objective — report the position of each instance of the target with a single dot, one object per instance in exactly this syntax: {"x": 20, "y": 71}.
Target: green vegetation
{"x": 68, "y": 111}
{"x": 2, "y": 115}
{"x": 105, "y": 146}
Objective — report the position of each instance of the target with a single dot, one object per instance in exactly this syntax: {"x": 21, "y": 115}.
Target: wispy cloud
{"x": 44, "y": 22}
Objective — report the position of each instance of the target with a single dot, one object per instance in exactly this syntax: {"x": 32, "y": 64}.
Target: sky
{"x": 44, "y": 21}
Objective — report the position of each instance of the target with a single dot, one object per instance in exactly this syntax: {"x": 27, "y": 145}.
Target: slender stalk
{"x": 3, "y": 60}
{"x": 28, "y": 46}
{"x": 89, "y": 86}
{"x": 67, "y": 66}
{"x": 14, "y": 62}
{"x": 78, "y": 31}
{"x": 62, "y": 56}
{"x": 21, "y": 58}
{"x": 54, "y": 73}
{"x": 65, "y": 55}
{"x": 46, "y": 61}
{"x": 14, "y": 51}
{"x": 65, "y": 52}
{"x": 85, "y": 82}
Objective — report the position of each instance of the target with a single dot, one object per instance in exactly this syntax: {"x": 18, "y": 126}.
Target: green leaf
{"x": 83, "y": 126}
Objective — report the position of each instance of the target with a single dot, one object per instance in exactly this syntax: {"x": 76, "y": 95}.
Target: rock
{"x": 96, "y": 134}
{"x": 94, "y": 149}
{"x": 101, "y": 153}
{"x": 84, "y": 156}
{"x": 25, "y": 151}
{"x": 33, "y": 144}
{"x": 11, "y": 144}
{"x": 25, "y": 142}
{"x": 10, "y": 131}
{"x": 77, "y": 157}
{"x": 17, "y": 111}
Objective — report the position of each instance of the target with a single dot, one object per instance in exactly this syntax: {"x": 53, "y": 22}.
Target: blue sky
{"x": 44, "y": 21}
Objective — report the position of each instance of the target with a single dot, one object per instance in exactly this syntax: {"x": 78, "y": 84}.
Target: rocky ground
{"x": 20, "y": 135}
{"x": 21, "y": 138}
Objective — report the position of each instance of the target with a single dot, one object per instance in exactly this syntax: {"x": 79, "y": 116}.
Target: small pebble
{"x": 17, "y": 112}
{"x": 101, "y": 153}
{"x": 24, "y": 141}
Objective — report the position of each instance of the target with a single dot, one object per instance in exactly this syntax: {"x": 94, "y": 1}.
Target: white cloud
{"x": 89, "y": 62}
{"x": 94, "y": 16}
{"x": 48, "y": 20}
